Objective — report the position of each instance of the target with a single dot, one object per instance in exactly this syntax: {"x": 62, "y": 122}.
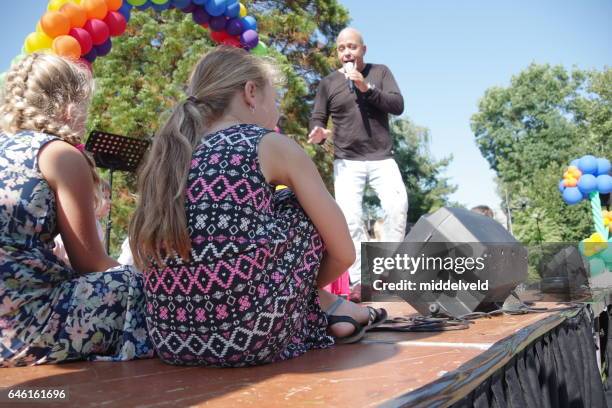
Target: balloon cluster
{"x": 584, "y": 176}
{"x": 599, "y": 253}
{"x": 82, "y": 29}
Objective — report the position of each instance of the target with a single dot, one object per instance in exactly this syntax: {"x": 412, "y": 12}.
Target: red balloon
{"x": 218, "y": 36}
{"x": 116, "y": 23}
{"x": 84, "y": 39}
{"x": 98, "y": 30}
{"x": 232, "y": 42}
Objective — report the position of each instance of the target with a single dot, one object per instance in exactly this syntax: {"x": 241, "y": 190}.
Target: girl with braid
{"x": 51, "y": 312}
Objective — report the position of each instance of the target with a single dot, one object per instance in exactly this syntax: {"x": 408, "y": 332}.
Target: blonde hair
{"x": 159, "y": 226}
{"x": 37, "y": 93}
{"x": 102, "y": 187}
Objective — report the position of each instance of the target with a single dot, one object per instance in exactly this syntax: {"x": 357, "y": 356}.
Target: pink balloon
{"x": 84, "y": 39}
{"x": 98, "y": 30}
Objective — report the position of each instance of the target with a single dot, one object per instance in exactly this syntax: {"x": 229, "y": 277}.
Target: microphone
{"x": 348, "y": 67}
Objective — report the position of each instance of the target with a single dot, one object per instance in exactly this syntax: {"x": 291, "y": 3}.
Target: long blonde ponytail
{"x": 159, "y": 226}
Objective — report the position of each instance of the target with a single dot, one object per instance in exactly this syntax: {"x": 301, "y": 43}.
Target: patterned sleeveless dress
{"x": 247, "y": 295}
{"x": 48, "y": 312}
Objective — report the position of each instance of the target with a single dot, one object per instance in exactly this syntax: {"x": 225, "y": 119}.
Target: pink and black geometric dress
{"x": 247, "y": 295}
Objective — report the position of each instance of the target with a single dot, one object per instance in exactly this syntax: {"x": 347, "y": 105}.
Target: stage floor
{"x": 384, "y": 366}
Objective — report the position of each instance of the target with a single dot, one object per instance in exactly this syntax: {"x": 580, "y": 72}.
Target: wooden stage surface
{"x": 385, "y": 368}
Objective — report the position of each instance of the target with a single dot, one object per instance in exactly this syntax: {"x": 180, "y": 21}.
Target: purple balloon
{"x": 200, "y": 16}
{"x": 217, "y": 23}
{"x": 189, "y": 9}
{"x": 234, "y": 26}
{"x": 104, "y": 48}
{"x": 91, "y": 55}
{"x": 249, "y": 39}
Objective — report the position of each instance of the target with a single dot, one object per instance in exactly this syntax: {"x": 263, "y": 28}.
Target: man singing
{"x": 359, "y": 97}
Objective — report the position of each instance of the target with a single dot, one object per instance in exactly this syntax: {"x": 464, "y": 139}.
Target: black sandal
{"x": 377, "y": 317}
{"x": 354, "y": 337}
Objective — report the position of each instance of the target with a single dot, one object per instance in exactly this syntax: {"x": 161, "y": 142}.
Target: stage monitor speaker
{"x": 467, "y": 234}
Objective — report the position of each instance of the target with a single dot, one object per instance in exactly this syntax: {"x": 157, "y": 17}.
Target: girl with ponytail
{"x": 50, "y": 311}
{"x": 231, "y": 267}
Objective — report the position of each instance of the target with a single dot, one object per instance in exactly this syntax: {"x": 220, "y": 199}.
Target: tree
{"x": 531, "y": 130}
{"x": 146, "y": 73}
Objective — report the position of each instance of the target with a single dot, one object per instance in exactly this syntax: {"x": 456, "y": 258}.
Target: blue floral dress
{"x": 48, "y": 312}
{"x": 247, "y": 296}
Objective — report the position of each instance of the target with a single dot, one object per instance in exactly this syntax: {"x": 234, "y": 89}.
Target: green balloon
{"x": 260, "y": 49}
{"x": 606, "y": 255}
{"x": 597, "y": 266}
{"x": 137, "y": 3}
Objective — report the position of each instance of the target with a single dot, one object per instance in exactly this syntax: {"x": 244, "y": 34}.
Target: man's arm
{"x": 388, "y": 99}
{"x": 320, "y": 111}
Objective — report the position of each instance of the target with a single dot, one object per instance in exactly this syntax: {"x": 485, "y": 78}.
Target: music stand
{"x": 115, "y": 152}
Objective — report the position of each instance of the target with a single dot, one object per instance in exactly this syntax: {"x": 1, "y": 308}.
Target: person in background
{"x": 484, "y": 210}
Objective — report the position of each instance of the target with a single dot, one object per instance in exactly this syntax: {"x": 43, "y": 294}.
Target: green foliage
{"x": 530, "y": 131}
{"x": 147, "y": 70}
{"x": 146, "y": 74}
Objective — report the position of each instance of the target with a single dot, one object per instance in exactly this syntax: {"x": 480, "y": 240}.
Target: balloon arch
{"x": 83, "y": 29}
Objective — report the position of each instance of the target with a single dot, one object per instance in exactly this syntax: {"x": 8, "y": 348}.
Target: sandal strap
{"x": 331, "y": 320}
{"x": 334, "y": 306}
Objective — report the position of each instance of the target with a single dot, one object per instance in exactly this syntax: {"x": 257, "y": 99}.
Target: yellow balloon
{"x": 37, "y": 41}
{"x": 243, "y": 10}
{"x": 55, "y": 5}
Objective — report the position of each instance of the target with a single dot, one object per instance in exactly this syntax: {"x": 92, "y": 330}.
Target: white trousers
{"x": 350, "y": 178}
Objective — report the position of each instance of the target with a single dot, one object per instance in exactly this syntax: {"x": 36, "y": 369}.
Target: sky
{"x": 444, "y": 54}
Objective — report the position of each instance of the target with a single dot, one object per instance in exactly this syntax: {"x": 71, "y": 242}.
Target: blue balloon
{"x": 215, "y": 7}
{"x": 575, "y": 162}
{"x": 200, "y": 16}
{"x": 233, "y": 9}
{"x": 588, "y": 164}
{"x": 144, "y": 6}
{"x": 572, "y": 195}
{"x": 181, "y": 3}
{"x": 91, "y": 55}
{"x": 234, "y": 26}
{"x": 604, "y": 184}
{"x": 587, "y": 183}
{"x": 561, "y": 186}
{"x": 126, "y": 10}
{"x": 249, "y": 23}
{"x": 199, "y": 2}
{"x": 104, "y": 48}
{"x": 603, "y": 166}
{"x": 160, "y": 7}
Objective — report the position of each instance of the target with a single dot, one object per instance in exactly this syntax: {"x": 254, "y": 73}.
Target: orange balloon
{"x": 95, "y": 8}
{"x": 574, "y": 171}
{"x": 67, "y": 46}
{"x": 570, "y": 182}
{"x": 76, "y": 14}
{"x": 55, "y": 24}
{"x": 114, "y": 5}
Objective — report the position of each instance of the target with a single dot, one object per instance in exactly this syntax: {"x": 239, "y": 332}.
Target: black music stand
{"x": 115, "y": 152}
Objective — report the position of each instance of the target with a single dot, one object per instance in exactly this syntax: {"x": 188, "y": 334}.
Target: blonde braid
{"x": 37, "y": 93}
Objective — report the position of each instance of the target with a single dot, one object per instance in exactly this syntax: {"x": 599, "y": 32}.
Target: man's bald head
{"x": 350, "y": 33}
{"x": 350, "y": 47}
